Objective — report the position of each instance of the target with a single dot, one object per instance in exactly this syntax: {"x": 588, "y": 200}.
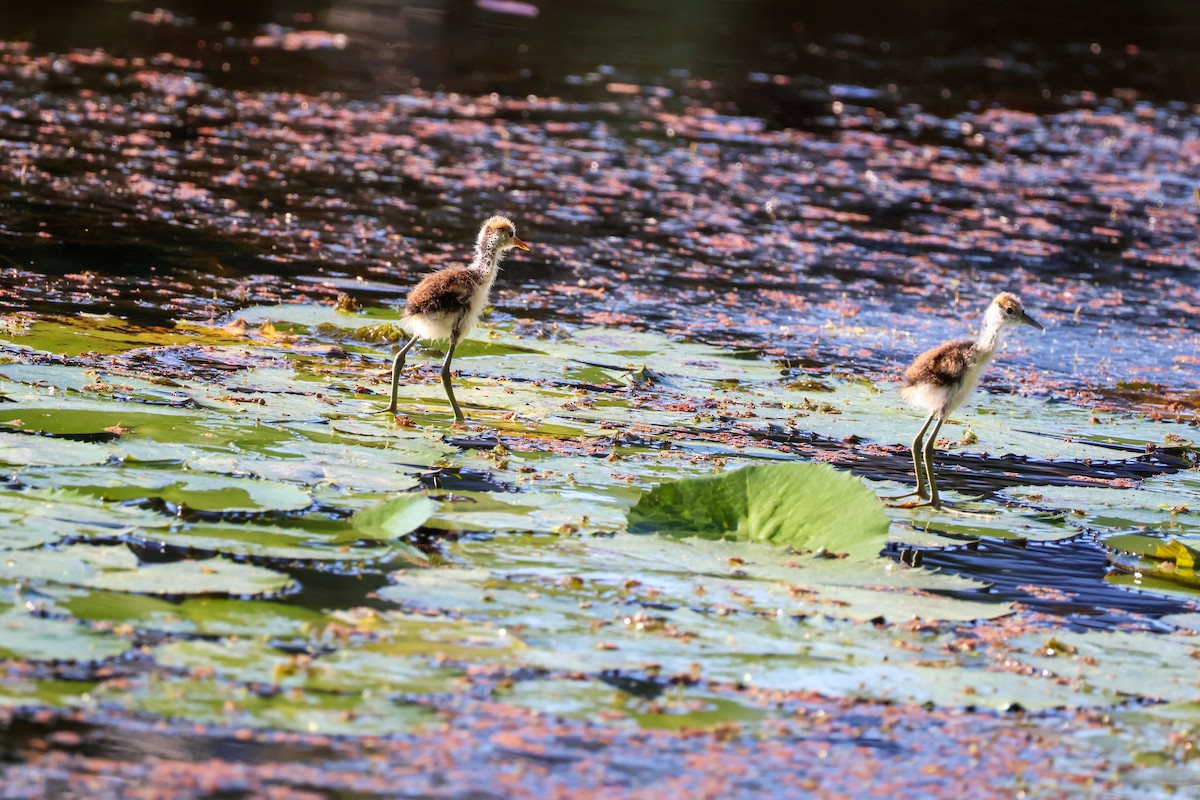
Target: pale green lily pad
{"x": 206, "y": 616}
{"x": 44, "y": 692}
{"x": 34, "y": 638}
{"x": 231, "y": 704}
{"x": 1139, "y": 664}
{"x": 79, "y": 417}
{"x": 18, "y": 532}
{"x": 38, "y": 516}
{"x": 772, "y": 653}
{"x": 802, "y": 505}
{"x": 304, "y": 317}
{"x": 674, "y": 709}
{"x": 731, "y": 573}
{"x": 531, "y": 510}
{"x": 374, "y": 669}
{"x": 1159, "y": 504}
{"x": 115, "y": 567}
{"x": 397, "y": 517}
{"x": 1189, "y": 621}
{"x": 862, "y": 604}
{"x": 22, "y": 450}
{"x": 319, "y": 541}
{"x": 358, "y": 470}
{"x": 61, "y": 383}
{"x": 197, "y": 491}
{"x": 91, "y": 333}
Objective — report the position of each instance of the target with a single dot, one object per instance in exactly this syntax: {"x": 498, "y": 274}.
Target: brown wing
{"x": 942, "y": 365}
{"x": 446, "y": 291}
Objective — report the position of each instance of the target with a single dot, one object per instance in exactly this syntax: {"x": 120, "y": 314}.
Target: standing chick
{"x": 446, "y": 303}
{"x": 940, "y": 379}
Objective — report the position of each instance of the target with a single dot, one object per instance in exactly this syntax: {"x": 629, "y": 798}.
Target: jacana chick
{"x": 446, "y": 303}
{"x": 940, "y": 379}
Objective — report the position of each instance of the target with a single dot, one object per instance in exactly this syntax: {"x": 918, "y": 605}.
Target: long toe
{"x": 913, "y": 493}
{"x": 918, "y": 503}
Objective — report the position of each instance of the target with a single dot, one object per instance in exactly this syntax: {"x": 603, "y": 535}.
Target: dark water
{"x": 776, "y": 170}
{"x": 938, "y": 53}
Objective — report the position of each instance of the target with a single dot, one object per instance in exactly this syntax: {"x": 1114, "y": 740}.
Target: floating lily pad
{"x": 801, "y": 505}
{"x": 1139, "y": 664}
{"x": 115, "y": 567}
{"x": 90, "y": 333}
{"x": 44, "y": 692}
{"x": 1153, "y": 562}
{"x": 38, "y": 638}
{"x": 22, "y": 450}
{"x": 45, "y": 515}
{"x": 397, "y": 517}
{"x": 985, "y": 521}
{"x": 226, "y": 703}
{"x": 198, "y": 491}
{"x": 531, "y": 510}
{"x": 673, "y": 709}
{"x": 320, "y": 540}
{"x": 206, "y": 616}
{"x": 346, "y": 670}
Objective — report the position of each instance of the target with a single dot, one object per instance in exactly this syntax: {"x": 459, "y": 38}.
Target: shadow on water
{"x": 1021, "y": 572}
{"x": 984, "y": 474}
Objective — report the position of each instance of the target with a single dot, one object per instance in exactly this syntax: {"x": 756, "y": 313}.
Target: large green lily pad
{"x": 805, "y": 506}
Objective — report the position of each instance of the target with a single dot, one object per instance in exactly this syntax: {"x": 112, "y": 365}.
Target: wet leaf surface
{"x": 804, "y": 506}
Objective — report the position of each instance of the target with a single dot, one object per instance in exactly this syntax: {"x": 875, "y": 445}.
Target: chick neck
{"x": 994, "y": 321}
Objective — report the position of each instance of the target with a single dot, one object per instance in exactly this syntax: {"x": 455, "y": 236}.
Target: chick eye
{"x": 1008, "y": 310}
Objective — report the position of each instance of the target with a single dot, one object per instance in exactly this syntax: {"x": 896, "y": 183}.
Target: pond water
{"x": 812, "y": 195}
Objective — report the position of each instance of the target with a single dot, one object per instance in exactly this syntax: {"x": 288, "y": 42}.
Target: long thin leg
{"x": 458, "y": 415}
{"x": 918, "y": 470}
{"x": 397, "y": 366}
{"x": 933, "y": 492}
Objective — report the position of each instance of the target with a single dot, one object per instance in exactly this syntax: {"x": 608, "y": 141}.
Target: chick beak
{"x": 1030, "y": 321}
{"x": 517, "y": 243}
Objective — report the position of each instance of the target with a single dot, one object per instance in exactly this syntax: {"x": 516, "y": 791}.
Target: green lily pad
{"x": 22, "y": 450}
{"x": 115, "y": 567}
{"x": 801, "y": 505}
{"x": 307, "y": 538}
{"x": 44, "y": 692}
{"x": 397, "y": 517}
{"x": 91, "y": 333}
{"x": 198, "y": 491}
{"x": 202, "y": 615}
{"x": 674, "y": 709}
{"x": 1139, "y": 664}
{"x": 563, "y": 511}
{"x": 44, "y": 515}
{"x": 220, "y": 702}
{"x": 34, "y": 638}
{"x": 347, "y": 670}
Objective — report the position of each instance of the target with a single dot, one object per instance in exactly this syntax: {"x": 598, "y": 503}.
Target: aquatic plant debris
{"x": 547, "y": 582}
